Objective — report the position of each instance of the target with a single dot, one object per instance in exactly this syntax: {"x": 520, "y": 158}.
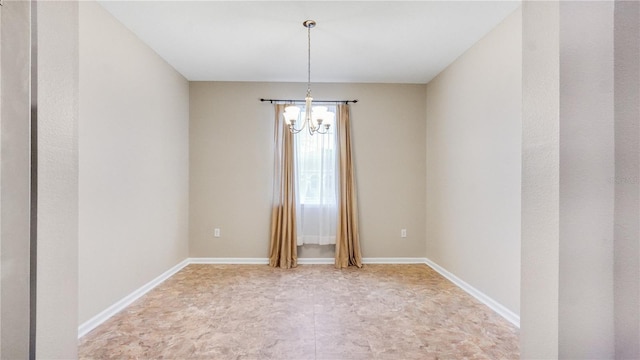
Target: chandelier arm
{"x": 293, "y": 130}
{"x": 326, "y": 131}
{"x": 312, "y": 130}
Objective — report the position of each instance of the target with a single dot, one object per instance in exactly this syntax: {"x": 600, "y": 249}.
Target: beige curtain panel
{"x": 283, "y": 251}
{"x": 283, "y": 246}
{"x": 347, "y": 237}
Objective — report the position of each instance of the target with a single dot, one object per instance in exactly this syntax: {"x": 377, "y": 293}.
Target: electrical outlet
{"x": 403, "y": 233}
{"x": 216, "y": 232}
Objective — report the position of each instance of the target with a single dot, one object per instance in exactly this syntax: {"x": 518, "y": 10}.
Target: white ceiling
{"x": 354, "y": 41}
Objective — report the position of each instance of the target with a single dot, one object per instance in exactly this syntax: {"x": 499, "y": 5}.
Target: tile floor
{"x": 311, "y": 312}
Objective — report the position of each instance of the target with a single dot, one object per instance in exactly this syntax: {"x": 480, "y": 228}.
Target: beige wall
{"x": 587, "y": 167}
{"x": 473, "y": 165}
{"x": 627, "y": 184}
{"x": 540, "y": 180}
{"x": 134, "y": 162}
{"x": 57, "y": 221}
{"x": 231, "y": 165}
{"x": 15, "y": 174}
{"x": 580, "y": 165}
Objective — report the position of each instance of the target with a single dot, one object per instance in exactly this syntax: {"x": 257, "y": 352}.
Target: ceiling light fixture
{"x": 316, "y": 119}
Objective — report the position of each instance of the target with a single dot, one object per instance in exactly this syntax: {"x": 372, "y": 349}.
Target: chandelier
{"x": 316, "y": 119}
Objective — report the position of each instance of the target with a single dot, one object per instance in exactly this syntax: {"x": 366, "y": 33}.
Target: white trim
{"x": 316, "y": 261}
{"x": 509, "y": 315}
{"x": 230, "y": 261}
{"x": 398, "y": 260}
{"x": 103, "y": 316}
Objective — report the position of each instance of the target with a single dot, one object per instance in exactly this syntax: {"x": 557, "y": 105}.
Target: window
{"x": 316, "y": 179}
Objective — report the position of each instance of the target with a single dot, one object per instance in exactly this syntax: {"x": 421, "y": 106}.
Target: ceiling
{"x": 354, "y": 41}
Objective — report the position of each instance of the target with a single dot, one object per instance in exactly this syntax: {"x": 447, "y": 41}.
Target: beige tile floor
{"x": 311, "y": 312}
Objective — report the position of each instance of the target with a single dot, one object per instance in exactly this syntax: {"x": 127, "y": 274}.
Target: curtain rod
{"x": 301, "y": 101}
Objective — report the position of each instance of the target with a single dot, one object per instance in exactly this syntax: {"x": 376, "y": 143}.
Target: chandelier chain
{"x": 308, "y": 60}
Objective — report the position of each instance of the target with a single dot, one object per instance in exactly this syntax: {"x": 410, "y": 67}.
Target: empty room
{"x": 320, "y": 180}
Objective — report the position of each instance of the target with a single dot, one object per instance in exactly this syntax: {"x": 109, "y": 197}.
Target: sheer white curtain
{"x": 316, "y": 186}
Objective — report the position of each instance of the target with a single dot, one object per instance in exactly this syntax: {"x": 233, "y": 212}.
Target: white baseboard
{"x": 398, "y": 260}
{"x": 92, "y": 323}
{"x": 507, "y": 314}
{"x": 316, "y": 261}
{"x": 231, "y": 261}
